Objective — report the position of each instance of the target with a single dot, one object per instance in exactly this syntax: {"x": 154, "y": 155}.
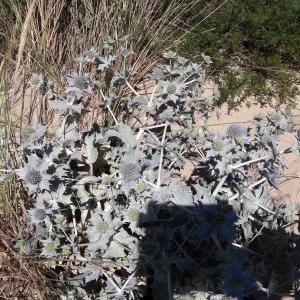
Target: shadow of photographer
{"x": 192, "y": 253}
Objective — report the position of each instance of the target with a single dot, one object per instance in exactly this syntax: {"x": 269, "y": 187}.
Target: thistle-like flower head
{"x": 218, "y": 145}
{"x": 238, "y": 283}
{"x": 266, "y": 138}
{"x": 91, "y": 55}
{"x": 275, "y": 117}
{"x": 50, "y": 248}
{"x": 134, "y": 214}
{"x": 171, "y": 90}
{"x": 218, "y": 221}
{"x": 39, "y": 215}
{"x": 130, "y": 171}
{"x": 103, "y": 227}
{"x": 170, "y": 54}
{"x": 236, "y": 130}
{"x": 79, "y": 82}
{"x": 157, "y": 74}
{"x": 34, "y": 174}
{"x": 65, "y": 251}
{"x": 238, "y": 133}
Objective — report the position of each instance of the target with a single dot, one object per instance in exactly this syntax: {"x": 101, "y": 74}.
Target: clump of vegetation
{"x": 46, "y": 35}
{"x": 113, "y": 218}
{"x": 43, "y": 37}
{"x": 254, "y": 46}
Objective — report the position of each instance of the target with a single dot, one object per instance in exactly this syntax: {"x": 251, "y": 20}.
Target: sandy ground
{"x": 290, "y": 186}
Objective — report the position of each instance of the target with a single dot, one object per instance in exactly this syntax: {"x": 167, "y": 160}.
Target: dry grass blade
{"x": 60, "y": 30}
{"x": 21, "y": 277}
{"x": 23, "y": 37}
{"x": 45, "y": 36}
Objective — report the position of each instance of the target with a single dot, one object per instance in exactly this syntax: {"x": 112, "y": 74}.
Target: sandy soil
{"x": 290, "y": 186}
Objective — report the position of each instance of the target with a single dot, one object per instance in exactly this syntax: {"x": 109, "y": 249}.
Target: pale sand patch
{"x": 290, "y": 187}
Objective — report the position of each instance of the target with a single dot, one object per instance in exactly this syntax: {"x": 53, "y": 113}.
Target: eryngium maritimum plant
{"x": 110, "y": 196}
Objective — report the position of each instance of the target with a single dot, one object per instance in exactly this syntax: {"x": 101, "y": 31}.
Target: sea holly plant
{"x": 111, "y": 197}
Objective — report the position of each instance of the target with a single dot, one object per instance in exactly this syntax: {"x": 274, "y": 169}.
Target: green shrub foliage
{"x": 111, "y": 213}
{"x": 255, "y": 46}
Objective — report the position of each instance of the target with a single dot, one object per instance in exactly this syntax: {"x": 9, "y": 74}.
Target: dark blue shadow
{"x": 192, "y": 251}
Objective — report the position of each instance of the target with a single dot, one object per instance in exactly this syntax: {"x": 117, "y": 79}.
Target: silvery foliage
{"x": 110, "y": 200}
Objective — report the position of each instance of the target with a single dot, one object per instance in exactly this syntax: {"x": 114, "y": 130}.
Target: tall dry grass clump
{"x": 44, "y": 36}
{"x": 21, "y": 276}
{"x": 48, "y": 34}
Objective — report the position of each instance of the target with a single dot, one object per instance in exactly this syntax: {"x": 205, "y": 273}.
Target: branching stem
{"x": 112, "y": 114}
{"x": 109, "y": 109}
{"x": 132, "y": 89}
{"x": 161, "y": 155}
{"x": 220, "y": 184}
{"x": 110, "y": 280}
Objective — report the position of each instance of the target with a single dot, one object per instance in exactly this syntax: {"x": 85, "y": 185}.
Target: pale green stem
{"x": 220, "y": 184}
{"x": 152, "y": 95}
{"x": 127, "y": 281}
{"x": 250, "y": 187}
{"x": 109, "y": 109}
{"x": 112, "y": 114}
{"x": 157, "y": 126}
{"x": 161, "y": 155}
{"x": 132, "y": 89}
{"x": 150, "y": 183}
{"x": 189, "y": 82}
{"x": 256, "y": 160}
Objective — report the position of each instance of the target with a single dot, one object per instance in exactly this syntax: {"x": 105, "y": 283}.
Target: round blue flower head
{"x": 236, "y": 131}
{"x": 130, "y": 171}
{"x": 157, "y": 74}
{"x": 238, "y": 283}
{"x": 217, "y": 221}
{"x": 33, "y": 176}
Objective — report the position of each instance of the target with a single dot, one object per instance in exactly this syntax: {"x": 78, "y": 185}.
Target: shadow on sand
{"x": 189, "y": 253}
